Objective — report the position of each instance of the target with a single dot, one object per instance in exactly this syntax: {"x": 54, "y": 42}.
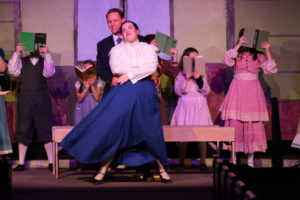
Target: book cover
{"x": 32, "y": 41}
{"x": 85, "y": 74}
{"x": 27, "y": 39}
{"x": 255, "y": 37}
{"x": 165, "y": 43}
{"x": 194, "y": 64}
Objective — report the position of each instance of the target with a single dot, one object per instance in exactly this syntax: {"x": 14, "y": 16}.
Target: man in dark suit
{"x": 114, "y": 18}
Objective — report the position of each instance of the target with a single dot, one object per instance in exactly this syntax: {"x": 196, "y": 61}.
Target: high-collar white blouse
{"x": 137, "y": 60}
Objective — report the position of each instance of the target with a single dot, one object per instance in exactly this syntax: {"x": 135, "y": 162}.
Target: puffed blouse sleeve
{"x": 229, "y": 57}
{"x": 180, "y": 84}
{"x": 268, "y": 66}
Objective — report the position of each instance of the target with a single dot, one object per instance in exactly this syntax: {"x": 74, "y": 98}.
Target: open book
{"x": 85, "y": 74}
{"x": 32, "y": 41}
{"x": 165, "y": 43}
{"x": 194, "y": 64}
{"x": 255, "y": 37}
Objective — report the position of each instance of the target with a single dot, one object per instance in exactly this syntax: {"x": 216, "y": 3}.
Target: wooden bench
{"x": 171, "y": 134}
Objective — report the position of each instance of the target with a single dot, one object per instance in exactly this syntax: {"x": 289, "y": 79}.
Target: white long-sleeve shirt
{"x": 15, "y": 65}
{"x": 137, "y": 60}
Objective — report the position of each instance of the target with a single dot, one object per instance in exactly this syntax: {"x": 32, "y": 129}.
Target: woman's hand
{"x": 196, "y": 74}
{"x": 20, "y": 48}
{"x": 122, "y": 79}
{"x": 87, "y": 84}
{"x": 265, "y": 45}
{"x": 188, "y": 75}
{"x": 154, "y": 43}
{"x": 44, "y": 49}
{"x": 174, "y": 51}
{"x": 4, "y": 92}
{"x": 114, "y": 81}
{"x": 241, "y": 41}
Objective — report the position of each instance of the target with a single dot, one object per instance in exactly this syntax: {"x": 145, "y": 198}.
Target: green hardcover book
{"x": 255, "y": 37}
{"x": 165, "y": 43}
{"x": 32, "y": 41}
{"x": 27, "y": 39}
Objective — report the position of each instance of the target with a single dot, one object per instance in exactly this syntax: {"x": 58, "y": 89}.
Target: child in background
{"x": 169, "y": 68}
{"x": 244, "y": 106}
{"x": 88, "y": 95}
{"x": 192, "y": 108}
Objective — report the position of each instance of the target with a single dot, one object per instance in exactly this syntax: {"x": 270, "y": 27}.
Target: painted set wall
{"x": 92, "y": 26}
{"x": 281, "y": 19}
{"x": 149, "y": 15}
{"x": 7, "y": 28}
{"x": 198, "y": 23}
{"x": 55, "y": 18}
{"x": 201, "y": 24}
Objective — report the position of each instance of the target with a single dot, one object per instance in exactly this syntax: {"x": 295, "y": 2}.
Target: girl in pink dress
{"x": 192, "y": 108}
{"x": 244, "y": 106}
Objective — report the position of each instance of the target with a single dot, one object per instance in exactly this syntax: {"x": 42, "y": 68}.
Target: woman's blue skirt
{"x": 126, "y": 123}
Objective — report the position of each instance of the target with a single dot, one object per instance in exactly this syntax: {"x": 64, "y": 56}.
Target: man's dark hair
{"x": 117, "y": 10}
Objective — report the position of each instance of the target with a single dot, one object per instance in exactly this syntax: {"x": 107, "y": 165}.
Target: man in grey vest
{"x": 33, "y": 100}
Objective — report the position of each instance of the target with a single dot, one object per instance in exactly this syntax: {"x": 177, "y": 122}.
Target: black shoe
{"x": 19, "y": 168}
{"x": 203, "y": 168}
{"x": 96, "y": 181}
{"x": 163, "y": 179}
{"x": 148, "y": 177}
{"x": 50, "y": 167}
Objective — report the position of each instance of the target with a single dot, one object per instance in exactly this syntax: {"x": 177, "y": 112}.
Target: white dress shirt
{"x": 137, "y": 60}
{"x": 115, "y": 39}
{"x": 15, "y": 65}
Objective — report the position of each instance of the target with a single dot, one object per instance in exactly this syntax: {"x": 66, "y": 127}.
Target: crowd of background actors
{"x": 191, "y": 88}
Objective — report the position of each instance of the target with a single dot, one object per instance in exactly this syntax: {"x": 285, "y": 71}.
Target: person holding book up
{"x": 192, "y": 108}
{"x": 33, "y": 100}
{"x": 5, "y": 144}
{"x": 244, "y": 106}
{"x": 88, "y": 94}
{"x": 126, "y": 126}
{"x": 169, "y": 68}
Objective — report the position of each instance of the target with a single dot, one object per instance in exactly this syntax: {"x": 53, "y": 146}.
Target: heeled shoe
{"x": 19, "y": 168}
{"x": 96, "y": 181}
{"x": 163, "y": 179}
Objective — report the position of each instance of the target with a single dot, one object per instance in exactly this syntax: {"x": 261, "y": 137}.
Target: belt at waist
{"x": 246, "y": 76}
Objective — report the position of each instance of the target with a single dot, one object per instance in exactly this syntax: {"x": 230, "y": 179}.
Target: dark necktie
{"x": 119, "y": 40}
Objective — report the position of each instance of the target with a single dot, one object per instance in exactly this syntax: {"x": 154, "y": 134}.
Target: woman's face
{"x": 193, "y": 54}
{"x": 130, "y": 34}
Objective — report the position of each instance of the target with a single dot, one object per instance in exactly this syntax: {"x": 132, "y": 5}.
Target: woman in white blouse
{"x": 126, "y": 126}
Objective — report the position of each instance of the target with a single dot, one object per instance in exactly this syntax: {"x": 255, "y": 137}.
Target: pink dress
{"x": 192, "y": 108}
{"x": 244, "y": 106}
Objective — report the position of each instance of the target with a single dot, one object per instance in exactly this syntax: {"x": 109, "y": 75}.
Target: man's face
{"x": 114, "y": 22}
{"x": 129, "y": 33}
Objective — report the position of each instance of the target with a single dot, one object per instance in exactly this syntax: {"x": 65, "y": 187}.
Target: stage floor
{"x": 39, "y": 183}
